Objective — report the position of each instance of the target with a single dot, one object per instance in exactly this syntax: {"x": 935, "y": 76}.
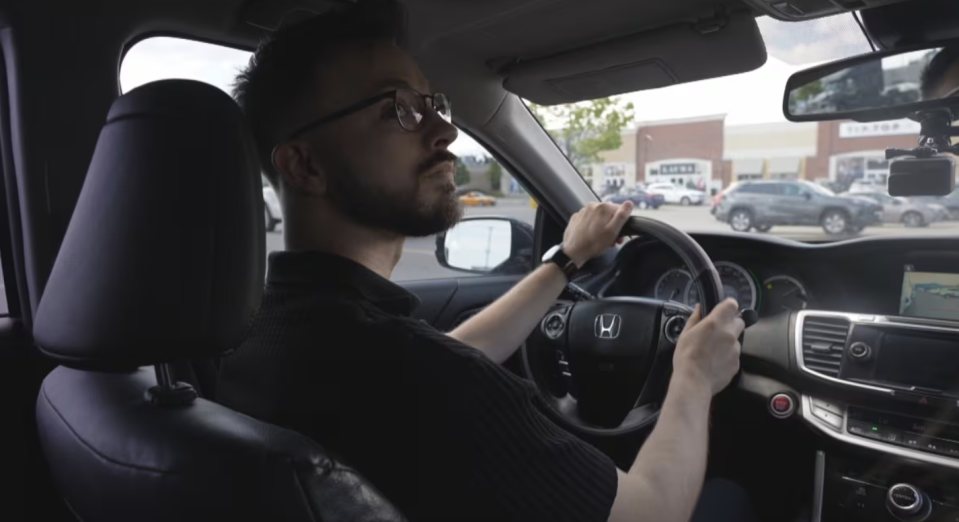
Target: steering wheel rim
{"x": 605, "y": 355}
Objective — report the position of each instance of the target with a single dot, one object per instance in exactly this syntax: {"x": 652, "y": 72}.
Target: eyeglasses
{"x": 409, "y": 105}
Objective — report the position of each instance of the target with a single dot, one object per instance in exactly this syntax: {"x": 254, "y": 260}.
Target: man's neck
{"x": 378, "y": 250}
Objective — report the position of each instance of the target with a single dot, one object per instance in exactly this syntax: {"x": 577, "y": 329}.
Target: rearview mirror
{"x": 487, "y": 245}
{"x": 807, "y": 195}
{"x": 877, "y": 86}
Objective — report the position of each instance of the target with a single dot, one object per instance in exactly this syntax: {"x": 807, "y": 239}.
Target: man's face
{"x": 373, "y": 170}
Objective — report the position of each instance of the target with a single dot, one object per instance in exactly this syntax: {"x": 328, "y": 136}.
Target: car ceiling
{"x": 453, "y": 39}
{"x": 67, "y": 55}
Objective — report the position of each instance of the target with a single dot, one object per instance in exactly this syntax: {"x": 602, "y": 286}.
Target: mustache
{"x": 441, "y": 156}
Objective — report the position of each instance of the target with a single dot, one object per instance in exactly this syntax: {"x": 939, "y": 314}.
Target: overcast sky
{"x": 753, "y": 97}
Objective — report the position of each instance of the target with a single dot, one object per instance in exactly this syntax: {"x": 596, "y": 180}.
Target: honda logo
{"x": 607, "y": 326}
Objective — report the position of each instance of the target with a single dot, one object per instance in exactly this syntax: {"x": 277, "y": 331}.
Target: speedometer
{"x": 671, "y": 286}
{"x": 737, "y": 283}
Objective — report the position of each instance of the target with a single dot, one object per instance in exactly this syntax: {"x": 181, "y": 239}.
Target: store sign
{"x": 878, "y": 128}
{"x": 677, "y": 168}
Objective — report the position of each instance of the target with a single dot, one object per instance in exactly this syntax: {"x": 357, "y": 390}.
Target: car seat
{"x": 139, "y": 284}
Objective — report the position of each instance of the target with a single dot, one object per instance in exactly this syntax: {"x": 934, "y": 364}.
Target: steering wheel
{"x": 603, "y": 365}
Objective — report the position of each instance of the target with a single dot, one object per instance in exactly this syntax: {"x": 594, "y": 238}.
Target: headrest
{"x": 164, "y": 256}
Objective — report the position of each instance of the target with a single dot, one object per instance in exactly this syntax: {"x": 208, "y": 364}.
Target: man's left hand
{"x": 594, "y": 229}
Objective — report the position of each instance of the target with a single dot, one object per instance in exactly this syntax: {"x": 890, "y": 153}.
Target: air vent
{"x": 823, "y": 339}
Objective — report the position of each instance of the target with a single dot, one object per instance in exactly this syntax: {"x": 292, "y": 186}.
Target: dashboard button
{"x": 890, "y": 435}
{"x": 863, "y": 429}
{"x": 948, "y": 448}
{"x": 931, "y": 445}
{"x": 828, "y": 406}
{"x": 782, "y": 405}
{"x": 911, "y": 440}
{"x": 860, "y": 350}
{"x": 828, "y": 417}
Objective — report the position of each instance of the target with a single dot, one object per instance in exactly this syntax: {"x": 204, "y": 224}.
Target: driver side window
{"x": 485, "y": 188}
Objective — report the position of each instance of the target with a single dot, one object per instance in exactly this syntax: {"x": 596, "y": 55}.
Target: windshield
{"x": 711, "y": 135}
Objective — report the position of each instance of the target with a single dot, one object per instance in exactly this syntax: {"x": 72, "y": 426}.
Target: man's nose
{"x": 439, "y": 132}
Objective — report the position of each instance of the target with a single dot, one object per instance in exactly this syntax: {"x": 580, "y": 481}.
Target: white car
{"x": 676, "y": 194}
{"x": 271, "y": 207}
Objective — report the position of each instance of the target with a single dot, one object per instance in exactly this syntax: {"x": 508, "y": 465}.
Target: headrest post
{"x": 169, "y": 392}
{"x": 164, "y": 373}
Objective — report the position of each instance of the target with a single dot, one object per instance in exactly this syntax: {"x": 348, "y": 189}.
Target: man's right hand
{"x": 708, "y": 349}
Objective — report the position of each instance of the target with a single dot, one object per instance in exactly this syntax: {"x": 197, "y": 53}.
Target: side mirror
{"x": 487, "y": 245}
{"x": 896, "y": 202}
{"x": 807, "y": 196}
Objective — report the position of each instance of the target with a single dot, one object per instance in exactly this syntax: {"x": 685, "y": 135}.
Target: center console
{"x": 857, "y": 489}
{"x": 899, "y": 377}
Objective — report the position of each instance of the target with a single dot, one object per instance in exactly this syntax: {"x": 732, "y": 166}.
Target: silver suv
{"x": 765, "y": 204}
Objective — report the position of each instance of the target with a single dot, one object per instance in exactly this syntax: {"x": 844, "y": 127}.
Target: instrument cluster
{"x": 771, "y": 295}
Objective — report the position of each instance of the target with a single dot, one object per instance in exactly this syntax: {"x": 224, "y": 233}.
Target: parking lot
{"x": 419, "y": 261}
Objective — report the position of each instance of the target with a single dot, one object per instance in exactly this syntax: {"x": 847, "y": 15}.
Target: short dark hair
{"x": 935, "y": 72}
{"x": 281, "y": 69}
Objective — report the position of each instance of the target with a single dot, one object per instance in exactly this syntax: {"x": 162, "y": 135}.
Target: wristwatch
{"x": 556, "y": 255}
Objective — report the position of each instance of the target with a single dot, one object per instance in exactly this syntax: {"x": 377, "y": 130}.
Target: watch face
{"x": 550, "y": 253}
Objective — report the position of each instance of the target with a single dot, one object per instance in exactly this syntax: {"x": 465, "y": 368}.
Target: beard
{"x": 403, "y": 212}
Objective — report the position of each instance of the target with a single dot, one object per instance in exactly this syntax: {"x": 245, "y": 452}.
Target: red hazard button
{"x": 782, "y": 405}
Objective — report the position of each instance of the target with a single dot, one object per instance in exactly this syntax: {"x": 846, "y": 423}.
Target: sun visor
{"x": 650, "y": 60}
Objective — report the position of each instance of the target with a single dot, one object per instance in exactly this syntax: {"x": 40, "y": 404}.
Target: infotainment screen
{"x": 929, "y": 294}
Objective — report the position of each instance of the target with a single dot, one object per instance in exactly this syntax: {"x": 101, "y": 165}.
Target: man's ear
{"x": 295, "y": 163}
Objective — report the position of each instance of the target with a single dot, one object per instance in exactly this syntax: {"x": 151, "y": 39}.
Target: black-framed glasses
{"x": 409, "y": 105}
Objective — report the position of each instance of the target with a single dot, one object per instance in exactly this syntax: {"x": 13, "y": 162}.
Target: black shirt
{"x": 441, "y": 430}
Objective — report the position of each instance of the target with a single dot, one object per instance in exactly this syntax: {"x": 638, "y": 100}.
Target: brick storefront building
{"x": 706, "y": 153}
{"x": 688, "y": 151}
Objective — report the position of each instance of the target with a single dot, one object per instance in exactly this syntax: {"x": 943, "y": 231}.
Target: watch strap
{"x": 564, "y": 263}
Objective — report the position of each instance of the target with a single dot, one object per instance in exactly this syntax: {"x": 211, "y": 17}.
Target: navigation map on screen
{"x": 929, "y": 294}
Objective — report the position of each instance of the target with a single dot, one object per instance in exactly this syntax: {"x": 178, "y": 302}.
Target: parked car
{"x": 677, "y": 194}
{"x": 271, "y": 206}
{"x": 642, "y": 199}
{"x": 475, "y": 198}
{"x": 765, "y": 204}
{"x": 911, "y": 213}
{"x": 950, "y": 202}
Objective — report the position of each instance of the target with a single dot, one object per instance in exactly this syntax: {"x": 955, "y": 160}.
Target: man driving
{"x": 355, "y": 142}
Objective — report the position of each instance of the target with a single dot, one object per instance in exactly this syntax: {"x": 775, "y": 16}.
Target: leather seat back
{"x": 163, "y": 261}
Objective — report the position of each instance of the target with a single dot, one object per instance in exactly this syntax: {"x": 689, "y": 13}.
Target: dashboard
{"x": 858, "y": 339}
{"x": 774, "y": 276}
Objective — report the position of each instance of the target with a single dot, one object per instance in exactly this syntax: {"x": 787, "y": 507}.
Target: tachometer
{"x": 737, "y": 283}
{"x": 671, "y": 286}
{"x": 783, "y": 294}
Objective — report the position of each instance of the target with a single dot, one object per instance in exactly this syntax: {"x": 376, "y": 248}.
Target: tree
{"x": 495, "y": 173}
{"x": 808, "y": 91}
{"x": 462, "y": 175}
{"x": 585, "y": 129}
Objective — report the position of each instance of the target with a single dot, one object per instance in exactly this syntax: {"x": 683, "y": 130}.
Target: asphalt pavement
{"x": 419, "y": 259}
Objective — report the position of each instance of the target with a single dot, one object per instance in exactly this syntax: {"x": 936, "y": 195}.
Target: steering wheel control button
{"x": 782, "y": 405}
{"x": 674, "y": 327}
{"x": 554, "y": 324}
{"x": 860, "y": 351}
{"x": 908, "y": 503}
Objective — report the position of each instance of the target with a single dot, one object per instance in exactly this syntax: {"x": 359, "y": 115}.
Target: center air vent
{"x": 823, "y": 339}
